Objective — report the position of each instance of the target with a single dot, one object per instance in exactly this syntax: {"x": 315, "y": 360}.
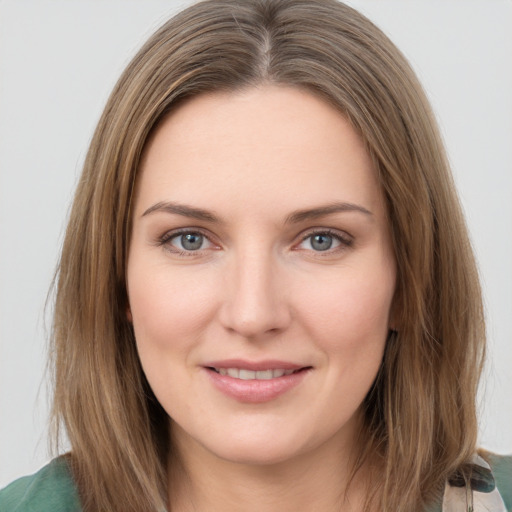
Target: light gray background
{"x": 58, "y": 62}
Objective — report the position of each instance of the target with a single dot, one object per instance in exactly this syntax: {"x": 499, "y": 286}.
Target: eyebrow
{"x": 321, "y": 211}
{"x": 294, "y": 218}
{"x": 183, "y": 210}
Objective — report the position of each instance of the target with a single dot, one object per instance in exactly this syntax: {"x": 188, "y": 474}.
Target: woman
{"x": 266, "y": 297}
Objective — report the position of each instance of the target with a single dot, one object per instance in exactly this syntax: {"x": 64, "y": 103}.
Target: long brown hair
{"x": 420, "y": 418}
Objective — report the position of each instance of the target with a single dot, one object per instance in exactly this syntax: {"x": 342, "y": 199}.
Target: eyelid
{"x": 164, "y": 240}
{"x": 343, "y": 237}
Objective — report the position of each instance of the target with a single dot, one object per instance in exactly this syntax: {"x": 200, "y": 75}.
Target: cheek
{"x": 349, "y": 323}
{"x": 168, "y": 307}
{"x": 350, "y": 313}
{"x": 170, "y": 310}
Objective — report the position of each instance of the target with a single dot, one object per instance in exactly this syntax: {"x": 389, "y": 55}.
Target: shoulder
{"x": 50, "y": 489}
{"x": 490, "y": 486}
{"x": 502, "y": 470}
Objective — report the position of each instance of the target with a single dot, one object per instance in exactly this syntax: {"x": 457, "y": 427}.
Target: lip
{"x": 268, "y": 364}
{"x": 255, "y": 391}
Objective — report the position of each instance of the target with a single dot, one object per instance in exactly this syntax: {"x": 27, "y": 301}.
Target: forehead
{"x": 271, "y": 145}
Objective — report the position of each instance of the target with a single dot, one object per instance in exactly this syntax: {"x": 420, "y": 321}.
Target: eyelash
{"x": 344, "y": 240}
{"x": 166, "y": 238}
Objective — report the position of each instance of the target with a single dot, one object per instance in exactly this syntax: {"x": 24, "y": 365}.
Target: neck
{"x": 322, "y": 479}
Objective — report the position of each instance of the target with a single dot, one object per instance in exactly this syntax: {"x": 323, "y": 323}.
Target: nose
{"x": 254, "y": 300}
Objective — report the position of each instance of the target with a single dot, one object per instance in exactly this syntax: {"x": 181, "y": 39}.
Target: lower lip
{"x": 255, "y": 391}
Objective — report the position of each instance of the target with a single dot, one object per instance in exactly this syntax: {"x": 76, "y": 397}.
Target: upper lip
{"x": 269, "y": 364}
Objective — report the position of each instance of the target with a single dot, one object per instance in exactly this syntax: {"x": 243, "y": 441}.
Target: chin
{"x": 257, "y": 455}
{"x": 261, "y": 448}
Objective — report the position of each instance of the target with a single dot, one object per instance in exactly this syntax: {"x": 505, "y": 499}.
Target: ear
{"x": 129, "y": 316}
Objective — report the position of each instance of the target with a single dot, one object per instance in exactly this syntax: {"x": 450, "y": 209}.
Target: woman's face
{"x": 260, "y": 274}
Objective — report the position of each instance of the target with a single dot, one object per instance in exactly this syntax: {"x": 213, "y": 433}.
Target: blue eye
{"x": 321, "y": 242}
{"x": 189, "y": 241}
{"x": 324, "y": 241}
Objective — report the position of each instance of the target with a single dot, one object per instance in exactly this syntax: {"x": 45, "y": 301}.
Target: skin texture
{"x": 259, "y": 289}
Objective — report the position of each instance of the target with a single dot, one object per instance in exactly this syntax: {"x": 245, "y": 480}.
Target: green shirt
{"x": 502, "y": 471}
{"x": 52, "y": 489}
